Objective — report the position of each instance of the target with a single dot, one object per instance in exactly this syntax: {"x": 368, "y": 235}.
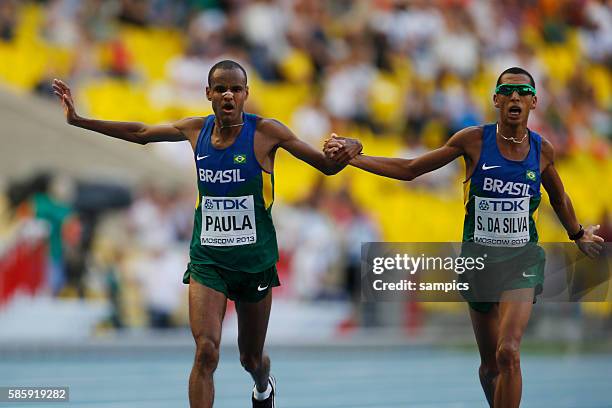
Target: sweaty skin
{"x": 227, "y": 93}
{"x": 499, "y": 332}
{"x": 467, "y": 144}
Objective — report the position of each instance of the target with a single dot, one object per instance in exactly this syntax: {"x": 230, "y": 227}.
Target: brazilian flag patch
{"x": 240, "y": 158}
{"x": 531, "y": 175}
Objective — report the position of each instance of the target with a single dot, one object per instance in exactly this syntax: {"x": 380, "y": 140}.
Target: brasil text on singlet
{"x": 502, "y": 196}
{"x": 233, "y": 223}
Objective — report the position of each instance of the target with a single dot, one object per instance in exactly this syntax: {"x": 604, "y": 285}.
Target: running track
{"x": 307, "y": 378}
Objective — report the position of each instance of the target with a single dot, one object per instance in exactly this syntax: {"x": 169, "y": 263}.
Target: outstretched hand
{"x": 590, "y": 243}
{"x": 63, "y": 93}
{"x": 341, "y": 149}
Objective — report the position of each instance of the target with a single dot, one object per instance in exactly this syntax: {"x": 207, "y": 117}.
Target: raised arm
{"x": 135, "y": 132}
{"x": 408, "y": 169}
{"x": 588, "y": 242}
{"x": 284, "y": 138}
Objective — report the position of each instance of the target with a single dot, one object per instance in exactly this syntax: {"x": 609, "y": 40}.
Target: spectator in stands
{"x": 317, "y": 248}
{"x": 46, "y": 207}
{"x": 264, "y": 24}
{"x": 155, "y": 271}
{"x": 135, "y": 12}
{"x": 8, "y": 20}
{"x": 62, "y": 26}
{"x": 311, "y": 121}
{"x": 150, "y": 215}
{"x": 597, "y": 35}
{"x": 456, "y": 47}
{"x": 346, "y": 83}
{"x": 356, "y": 227}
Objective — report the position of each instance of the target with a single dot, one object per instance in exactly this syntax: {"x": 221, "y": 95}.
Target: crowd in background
{"x": 132, "y": 246}
{"x": 411, "y": 67}
{"x": 416, "y": 70}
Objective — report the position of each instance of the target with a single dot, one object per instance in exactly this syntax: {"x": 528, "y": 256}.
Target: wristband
{"x": 576, "y": 236}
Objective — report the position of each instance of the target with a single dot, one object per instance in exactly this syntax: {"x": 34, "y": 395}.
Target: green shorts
{"x": 487, "y": 285}
{"x": 237, "y": 286}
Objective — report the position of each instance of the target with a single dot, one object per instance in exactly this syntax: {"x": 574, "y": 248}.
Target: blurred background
{"x": 94, "y": 232}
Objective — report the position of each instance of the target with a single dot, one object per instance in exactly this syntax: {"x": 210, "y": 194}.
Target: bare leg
{"x": 514, "y": 312}
{"x": 206, "y": 312}
{"x": 485, "y": 327}
{"x": 252, "y": 328}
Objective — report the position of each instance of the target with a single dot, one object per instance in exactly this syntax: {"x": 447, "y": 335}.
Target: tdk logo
{"x": 224, "y": 204}
{"x": 510, "y": 188}
{"x": 505, "y": 205}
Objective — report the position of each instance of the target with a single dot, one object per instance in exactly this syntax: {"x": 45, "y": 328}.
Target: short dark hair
{"x": 516, "y": 70}
{"x": 226, "y": 64}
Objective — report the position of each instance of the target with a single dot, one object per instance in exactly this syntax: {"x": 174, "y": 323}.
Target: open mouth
{"x": 227, "y": 107}
{"x": 514, "y": 112}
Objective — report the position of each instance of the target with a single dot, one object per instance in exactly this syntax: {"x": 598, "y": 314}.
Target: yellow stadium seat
{"x": 152, "y": 48}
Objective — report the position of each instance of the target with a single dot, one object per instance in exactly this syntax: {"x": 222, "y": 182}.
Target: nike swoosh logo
{"x": 259, "y": 288}
{"x": 485, "y": 167}
{"x": 528, "y": 276}
{"x": 198, "y": 157}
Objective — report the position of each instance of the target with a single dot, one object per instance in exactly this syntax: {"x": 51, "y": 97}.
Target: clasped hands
{"x": 341, "y": 149}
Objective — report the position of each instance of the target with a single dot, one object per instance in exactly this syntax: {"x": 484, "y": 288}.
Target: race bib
{"x": 228, "y": 221}
{"x": 501, "y": 222}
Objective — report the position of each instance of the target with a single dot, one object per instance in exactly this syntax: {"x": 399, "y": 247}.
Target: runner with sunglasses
{"x": 505, "y": 162}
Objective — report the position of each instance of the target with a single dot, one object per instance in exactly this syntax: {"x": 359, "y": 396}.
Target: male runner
{"x": 233, "y": 249}
{"x": 504, "y": 161}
